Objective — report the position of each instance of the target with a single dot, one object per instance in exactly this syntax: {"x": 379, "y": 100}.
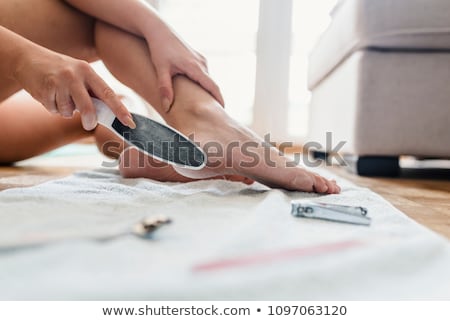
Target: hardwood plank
{"x": 425, "y": 200}
{"x": 11, "y": 177}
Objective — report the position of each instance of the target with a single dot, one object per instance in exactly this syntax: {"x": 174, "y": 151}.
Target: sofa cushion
{"x": 380, "y": 24}
{"x": 385, "y": 104}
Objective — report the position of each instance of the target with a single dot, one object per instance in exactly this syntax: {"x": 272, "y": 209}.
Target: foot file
{"x": 153, "y": 138}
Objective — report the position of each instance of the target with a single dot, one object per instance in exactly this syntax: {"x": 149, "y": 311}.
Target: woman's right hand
{"x": 64, "y": 84}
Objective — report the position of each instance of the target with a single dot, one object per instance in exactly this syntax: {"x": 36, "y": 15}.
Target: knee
{"x": 99, "y": 28}
{"x": 52, "y": 24}
{"x": 102, "y": 32}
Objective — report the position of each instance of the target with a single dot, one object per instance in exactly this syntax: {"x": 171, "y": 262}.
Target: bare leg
{"x": 195, "y": 112}
{"x": 29, "y": 130}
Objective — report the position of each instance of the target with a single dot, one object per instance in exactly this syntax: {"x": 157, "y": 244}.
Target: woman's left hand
{"x": 172, "y": 56}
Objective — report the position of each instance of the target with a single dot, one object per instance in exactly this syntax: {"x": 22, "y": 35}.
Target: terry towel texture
{"x": 227, "y": 241}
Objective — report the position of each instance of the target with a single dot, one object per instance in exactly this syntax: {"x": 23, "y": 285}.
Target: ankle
{"x": 191, "y": 96}
{"x": 190, "y": 109}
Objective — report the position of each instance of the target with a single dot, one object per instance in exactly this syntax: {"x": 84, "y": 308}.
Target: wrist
{"x": 153, "y": 27}
{"x": 11, "y": 54}
{"x": 18, "y": 61}
{"x": 22, "y": 54}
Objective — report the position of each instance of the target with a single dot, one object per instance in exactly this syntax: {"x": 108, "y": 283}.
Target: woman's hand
{"x": 171, "y": 56}
{"x": 64, "y": 84}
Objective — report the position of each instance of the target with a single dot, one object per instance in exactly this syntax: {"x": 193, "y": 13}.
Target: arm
{"x": 134, "y": 16}
{"x": 58, "y": 82}
{"x": 170, "y": 55}
{"x": 11, "y": 53}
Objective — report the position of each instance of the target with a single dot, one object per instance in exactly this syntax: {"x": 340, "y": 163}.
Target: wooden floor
{"x": 11, "y": 177}
{"x": 422, "y": 194}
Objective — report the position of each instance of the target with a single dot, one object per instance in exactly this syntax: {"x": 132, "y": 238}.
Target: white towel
{"x": 227, "y": 241}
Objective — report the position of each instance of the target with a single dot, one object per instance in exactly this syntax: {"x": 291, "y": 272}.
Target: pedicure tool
{"x": 147, "y": 226}
{"x": 153, "y": 138}
{"x": 331, "y": 212}
{"x": 144, "y": 229}
{"x": 264, "y": 258}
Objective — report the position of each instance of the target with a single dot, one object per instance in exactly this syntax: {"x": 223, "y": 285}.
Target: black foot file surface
{"x": 153, "y": 138}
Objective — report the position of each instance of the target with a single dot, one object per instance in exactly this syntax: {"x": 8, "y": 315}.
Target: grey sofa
{"x": 380, "y": 80}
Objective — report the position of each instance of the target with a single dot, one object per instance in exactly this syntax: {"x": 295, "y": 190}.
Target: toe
{"x": 320, "y": 184}
{"x": 336, "y": 188}
{"x": 331, "y": 186}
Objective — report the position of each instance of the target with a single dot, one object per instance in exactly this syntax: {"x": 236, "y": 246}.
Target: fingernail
{"x": 166, "y": 104}
{"x": 66, "y": 115}
{"x": 90, "y": 121}
{"x": 130, "y": 122}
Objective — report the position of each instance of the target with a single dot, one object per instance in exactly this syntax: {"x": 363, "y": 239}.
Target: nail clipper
{"x": 331, "y": 212}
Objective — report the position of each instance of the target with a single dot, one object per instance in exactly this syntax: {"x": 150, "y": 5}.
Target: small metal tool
{"x": 331, "y": 212}
{"x": 144, "y": 229}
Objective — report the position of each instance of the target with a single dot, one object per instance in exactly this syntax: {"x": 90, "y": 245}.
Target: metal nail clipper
{"x": 331, "y": 212}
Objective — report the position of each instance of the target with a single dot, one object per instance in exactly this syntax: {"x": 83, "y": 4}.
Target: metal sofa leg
{"x": 387, "y": 166}
{"x": 317, "y": 154}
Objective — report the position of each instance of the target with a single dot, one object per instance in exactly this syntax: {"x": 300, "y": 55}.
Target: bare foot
{"x": 233, "y": 150}
{"x": 134, "y": 164}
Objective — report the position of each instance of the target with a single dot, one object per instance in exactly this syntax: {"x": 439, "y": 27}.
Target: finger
{"x": 203, "y": 61}
{"x": 103, "y": 92}
{"x": 165, "y": 88}
{"x": 208, "y": 84}
{"x": 84, "y": 105}
{"x": 320, "y": 185}
{"x": 50, "y": 103}
{"x": 64, "y": 104}
{"x": 337, "y": 187}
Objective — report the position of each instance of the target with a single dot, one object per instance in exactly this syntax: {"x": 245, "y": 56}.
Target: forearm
{"x": 12, "y": 50}
{"x": 134, "y": 16}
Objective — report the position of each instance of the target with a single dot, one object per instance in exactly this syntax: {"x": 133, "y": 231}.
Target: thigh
{"x": 49, "y": 23}
{"x": 52, "y": 24}
{"x": 28, "y": 129}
